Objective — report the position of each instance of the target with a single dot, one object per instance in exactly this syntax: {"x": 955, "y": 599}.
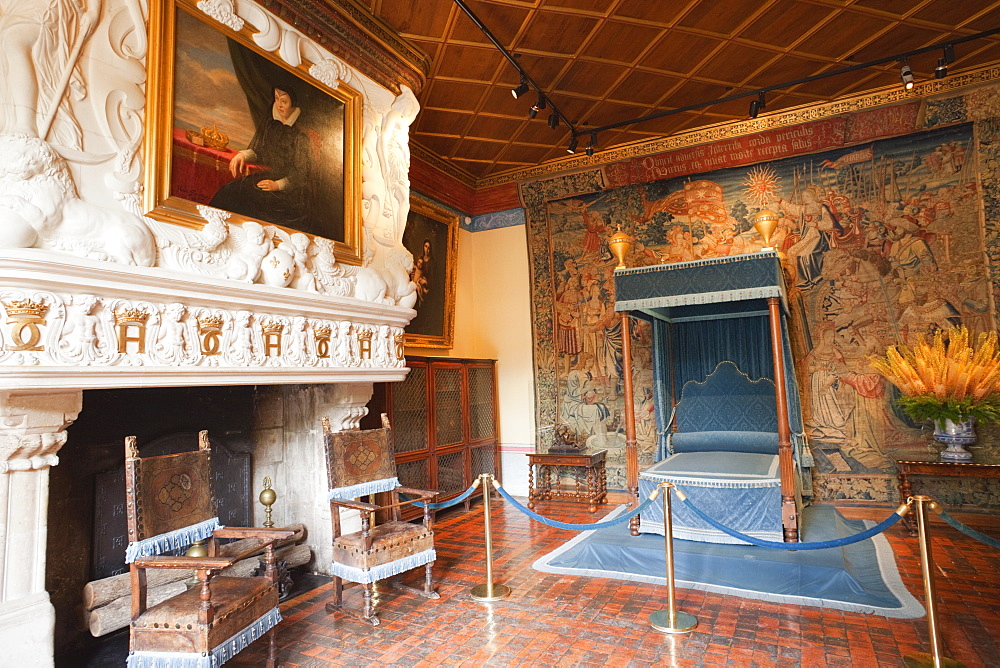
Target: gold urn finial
{"x": 620, "y": 244}
{"x": 766, "y": 222}
{"x": 267, "y": 497}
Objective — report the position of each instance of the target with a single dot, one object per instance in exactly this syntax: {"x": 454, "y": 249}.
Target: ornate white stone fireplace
{"x": 96, "y": 294}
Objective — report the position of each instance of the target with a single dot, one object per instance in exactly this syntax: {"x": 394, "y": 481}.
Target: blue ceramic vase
{"x": 955, "y": 435}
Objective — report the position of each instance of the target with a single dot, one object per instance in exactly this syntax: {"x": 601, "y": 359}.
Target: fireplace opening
{"x": 86, "y": 514}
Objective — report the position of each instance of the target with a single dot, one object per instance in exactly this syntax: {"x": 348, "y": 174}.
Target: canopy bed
{"x": 728, "y": 417}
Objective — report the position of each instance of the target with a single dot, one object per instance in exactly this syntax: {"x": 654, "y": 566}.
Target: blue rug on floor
{"x": 861, "y": 577}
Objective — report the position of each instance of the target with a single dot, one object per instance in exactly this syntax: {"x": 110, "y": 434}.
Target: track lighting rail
{"x": 788, "y": 84}
{"x": 760, "y": 94}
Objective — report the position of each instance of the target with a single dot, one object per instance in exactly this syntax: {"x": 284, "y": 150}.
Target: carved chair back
{"x": 168, "y": 493}
{"x": 359, "y": 463}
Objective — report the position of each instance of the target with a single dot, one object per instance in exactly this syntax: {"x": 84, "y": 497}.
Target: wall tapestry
{"x": 884, "y": 243}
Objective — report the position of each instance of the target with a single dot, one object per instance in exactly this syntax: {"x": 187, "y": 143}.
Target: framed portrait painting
{"x": 431, "y": 234}
{"x": 234, "y": 127}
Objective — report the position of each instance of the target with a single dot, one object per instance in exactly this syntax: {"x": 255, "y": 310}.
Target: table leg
{"x": 905, "y": 492}
{"x": 602, "y": 479}
{"x": 592, "y": 490}
{"x": 531, "y": 486}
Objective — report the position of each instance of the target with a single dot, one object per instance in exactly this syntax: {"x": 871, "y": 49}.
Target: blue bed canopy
{"x": 724, "y": 379}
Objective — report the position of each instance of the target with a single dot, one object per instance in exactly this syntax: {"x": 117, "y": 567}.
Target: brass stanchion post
{"x": 670, "y": 620}
{"x": 489, "y": 591}
{"x": 935, "y": 658}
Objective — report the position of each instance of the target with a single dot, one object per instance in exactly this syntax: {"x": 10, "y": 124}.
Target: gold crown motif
{"x": 25, "y": 307}
{"x": 365, "y": 336}
{"x": 271, "y": 327}
{"x": 210, "y": 322}
{"x": 131, "y": 316}
{"x": 322, "y": 331}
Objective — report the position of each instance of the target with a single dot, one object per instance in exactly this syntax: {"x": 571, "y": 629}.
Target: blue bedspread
{"x": 741, "y": 490}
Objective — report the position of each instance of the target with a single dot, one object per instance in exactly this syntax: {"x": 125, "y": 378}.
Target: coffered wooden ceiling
{"x": 605, "y": 61}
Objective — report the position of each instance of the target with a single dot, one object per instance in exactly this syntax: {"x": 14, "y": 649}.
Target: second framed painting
{"x": 431, "y": 235}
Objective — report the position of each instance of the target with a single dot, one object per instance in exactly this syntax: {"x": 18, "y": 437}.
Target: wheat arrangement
{"x": 946, "y": 377}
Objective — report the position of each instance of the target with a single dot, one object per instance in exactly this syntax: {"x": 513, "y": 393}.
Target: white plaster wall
{"x": 493, "y": 320}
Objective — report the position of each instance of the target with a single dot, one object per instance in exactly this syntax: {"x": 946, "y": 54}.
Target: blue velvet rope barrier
{"x": 967, "y": 530}
{"x": 446, "y": 504}
{"x": 820, "y": 545}
{"x": 573, "y": 527}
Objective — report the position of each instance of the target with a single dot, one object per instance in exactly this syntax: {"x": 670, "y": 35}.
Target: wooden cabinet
{"x": 444, "y": 420}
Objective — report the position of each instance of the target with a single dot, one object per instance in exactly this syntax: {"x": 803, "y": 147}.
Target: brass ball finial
{"x": 267, "y": 497}
{"x": 620, "y": 244}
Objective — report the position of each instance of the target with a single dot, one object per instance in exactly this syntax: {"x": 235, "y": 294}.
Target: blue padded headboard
{"x": 727, "y": 400}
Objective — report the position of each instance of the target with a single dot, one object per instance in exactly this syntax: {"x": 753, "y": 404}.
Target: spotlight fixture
{"x": 553, "y": 120}
{"x": 521, "y": 88}
{"x": 947, "y": 57}
{"x": 941, "y": 71}
{"x": 537, "y": 106}
{"x": 572, "y": 145}
{"x": 906, "y": 75}
{"x": 593, "y": 144}
{"x": 754, "y": 108}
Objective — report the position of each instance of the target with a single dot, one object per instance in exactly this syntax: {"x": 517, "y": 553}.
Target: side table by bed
{"x": 983, "y": 465}
{"x": 549, "y": 465}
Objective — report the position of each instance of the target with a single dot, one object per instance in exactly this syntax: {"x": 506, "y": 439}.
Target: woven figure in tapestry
{"x": 362, "y": 463}
{"x": 170, "y": 506}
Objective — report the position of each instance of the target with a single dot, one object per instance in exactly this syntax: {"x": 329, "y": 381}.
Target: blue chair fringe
{"x": 171, "y": 540}
{"x": 382, "y": 571}
{"x": 364, "y": 489}
{"x": 218, "y": 656}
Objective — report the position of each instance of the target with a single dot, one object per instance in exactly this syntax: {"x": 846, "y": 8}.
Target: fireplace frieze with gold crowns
{"x": 77, "y": 323}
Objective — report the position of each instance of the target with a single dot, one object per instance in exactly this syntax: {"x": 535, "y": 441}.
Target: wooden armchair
{"x": 362, "y": 463}
{"x": 169, "y": 504}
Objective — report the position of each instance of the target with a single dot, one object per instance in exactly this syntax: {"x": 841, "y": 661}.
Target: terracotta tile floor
{"x": 566, "y": 621}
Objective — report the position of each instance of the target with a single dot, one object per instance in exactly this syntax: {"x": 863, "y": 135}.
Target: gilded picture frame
{"x": 431, "y": 235}
{"x": 232, "y": 126}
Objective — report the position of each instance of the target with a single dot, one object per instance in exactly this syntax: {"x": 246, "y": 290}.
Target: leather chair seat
{"x": 390, "y": 541}
{"x": 228, "y": 596}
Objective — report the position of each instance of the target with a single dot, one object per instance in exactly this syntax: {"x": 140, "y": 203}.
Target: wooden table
{"x": 982, "y": 466}
{"x": 582, "y": 465}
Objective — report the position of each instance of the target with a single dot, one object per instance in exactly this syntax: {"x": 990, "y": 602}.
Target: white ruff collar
{"x": 294, "y": 116}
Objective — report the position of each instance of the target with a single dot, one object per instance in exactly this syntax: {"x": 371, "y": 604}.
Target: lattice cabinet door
{"x": 445, "y": 427}
{"x": 449, "y": 404}
{"x": 409, "y": 412}
{"x": 482, "y": 399}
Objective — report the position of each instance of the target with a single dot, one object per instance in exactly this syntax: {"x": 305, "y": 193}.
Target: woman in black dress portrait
{"x": 279, "y": 190}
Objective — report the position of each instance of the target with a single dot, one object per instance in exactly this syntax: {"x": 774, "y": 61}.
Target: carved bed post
{"x": 789, "y": 512}
{"x": 631, "y": 456}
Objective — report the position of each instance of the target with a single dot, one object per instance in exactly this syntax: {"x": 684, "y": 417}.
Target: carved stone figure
{"x": 344, "y": 354}
{"x": 398, "y": 264}
{"x": 242, "y": 347}
{"x": 297, "y": 351}
{"x": 39, "y": 208}
{"x": 42, "y": 40}
{"x": 394, "y": 158}
{"x": 80, "y": 339}
{"x": 172, "y": 344}
{"x": 298, "y": 246}
{"x": 251, "y": 245}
